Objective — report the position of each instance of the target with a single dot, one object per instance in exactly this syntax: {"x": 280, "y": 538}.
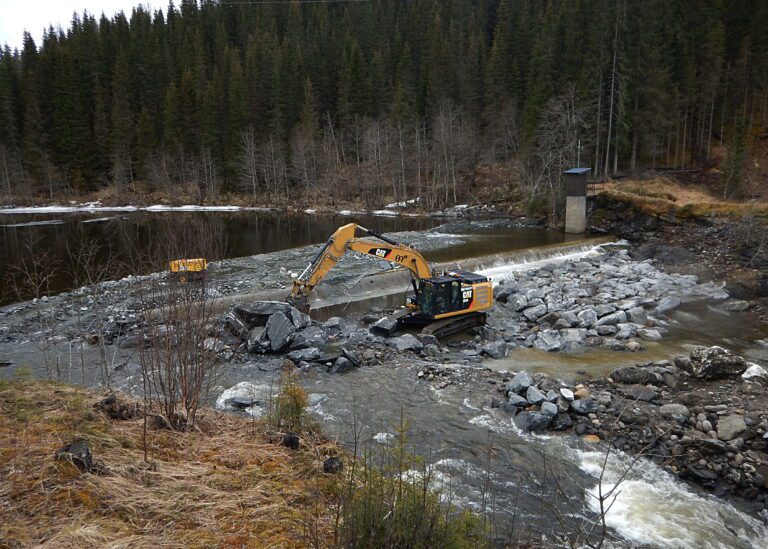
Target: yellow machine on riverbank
{"x": 442, "y": 304}
{"x": 189, "y": 269}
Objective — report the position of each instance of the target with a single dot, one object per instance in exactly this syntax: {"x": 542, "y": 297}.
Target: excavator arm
{"x": 346, "y": 238}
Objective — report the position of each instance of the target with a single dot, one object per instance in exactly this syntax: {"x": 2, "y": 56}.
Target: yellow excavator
{"x": 442, "y": 304}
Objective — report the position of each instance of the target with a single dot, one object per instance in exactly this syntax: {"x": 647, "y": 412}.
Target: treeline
{"x": 378, "y": 99}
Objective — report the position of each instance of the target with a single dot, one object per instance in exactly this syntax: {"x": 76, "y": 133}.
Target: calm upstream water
{"x": 143, "y": 242}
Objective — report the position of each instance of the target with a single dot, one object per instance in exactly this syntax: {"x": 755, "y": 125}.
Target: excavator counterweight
{"x": 441, "y": 304}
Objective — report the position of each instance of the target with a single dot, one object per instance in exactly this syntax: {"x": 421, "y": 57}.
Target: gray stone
{"x": 649, "y": 334}
{"x": 213, "y": 345}
{"x": 561, "y": 422}
{"x": 573, "y": 335}
{"x": 549, "y": 409}
{"x": 78, "y": 454}
{"x": 587, "y": 318}
{"x": 606, "y": 330}
{"x": 716, "y": 363}
{"x": 533, "y": 313}
{"x": 534, "y": 396}
{"x": 736, "y": 305}
{"x": 517, "y": 302}
{"x": 342, "y": 365}
{"x": 612, "y": 319}
{"x": 309, "y": 354}
{"x": 502, "y": 293}
{"x": 548, "y": 340}
{"x": 639, "y": 392}
{"x": 280, "y": 331}
{"x": 567, "y": 394}
{"x": 257, "y": 340}
{"x": 552, "y": 396}
{"x": 258, "y": 312}
{"x": 496, "y": 349}
{"x": 519, "y": 383}
{"x": 631, "y": 375}
{"x": 516, "y": 400}
{"x": 667, "y": 304}
{"x": 677, "y": 412}
{"x": 407, "y": 342}
{"x": 637, "y": 315}
{"x": 334, "y": 324}
{"x": 584, "y": 406}
{"x": 604, "y": 309}
{"x": 385, "y": 326}
{"x": 625, "y": 330}
{"x": 235, "y": 326}
{"x": 532, "y": 421}
{"x": 299, "y": 319}
{"x": 729, "y": 427}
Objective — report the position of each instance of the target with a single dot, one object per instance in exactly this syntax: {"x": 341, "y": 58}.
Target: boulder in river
{"x": 587, "y": 318}
{"x": 342, "y": 365}
{"x": 716, "y": 363}
{"x": 549, "y": 409}
{"x": 667, "y": 304}
{"x": 649, "y": 334}
{"x": 619, "y": 317}
{"x": 519, "y": 383}
{"x": 517, "y": 400}
{"x": 532, "y": 421}
{"x": 496, "y": 349}
{"x": 631, "y": 375}
{"x": 407, "y": 342}
{"x": 534, "y": 396}
{"x": 548, "y": 340}
{"x": 584, "y": 406}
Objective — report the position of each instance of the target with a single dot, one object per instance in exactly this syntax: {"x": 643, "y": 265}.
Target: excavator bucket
{"x": 300, "y": 302}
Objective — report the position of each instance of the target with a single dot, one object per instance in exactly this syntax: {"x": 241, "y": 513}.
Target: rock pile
{"x": 607, "y": 300}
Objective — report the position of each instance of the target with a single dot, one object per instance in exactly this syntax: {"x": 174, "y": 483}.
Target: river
{"x": 532, "y": 485}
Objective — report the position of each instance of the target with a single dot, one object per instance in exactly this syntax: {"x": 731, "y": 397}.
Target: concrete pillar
{"x": 576, "y": 214}
{"x": 576, "y": 200}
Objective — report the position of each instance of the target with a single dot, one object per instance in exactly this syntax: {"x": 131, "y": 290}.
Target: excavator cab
{"x": 452, "y": 293}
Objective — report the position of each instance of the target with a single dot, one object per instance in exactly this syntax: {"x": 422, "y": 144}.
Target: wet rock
{"x": 716, "y": 363}
{"x": 567, "y": 394}
{"x": 649, "y": 334}
{"x": 632, "y": 375}
{"x": 561, "y": 422}
{"x": 637, "y": 315}
{"x": 78, "y": 454}
{"x": 280, "y": 331}
{"x": 548, "y": 340}
{"x": 676, "y": 412}
{"x": 549, "y": 409}
{"x": 333, "y": 465}
{"x": 496, "y": 349}
{"x": 552, "y": 396}
{"x": 516, "y": 400}
{"x": 258, "y": 312}
{"x": 729, "y": 427}
{"x": 342, "y": 365}
{"x": 519, "y": 383}
{"x": 619, "y": 317}
{"x": 532, "y": 421}
{"x": 584, "y": 406}
{"x": 534, "y": 396}
{"x": 736, "y": 305}
{"x": 667, "y": 304}
{"x": 309, "y": 354}
{"x": 385, "y": 326}
{"x": 407, "y": 342}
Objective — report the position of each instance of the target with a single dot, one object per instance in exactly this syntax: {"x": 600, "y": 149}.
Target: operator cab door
{"x": 449, "y": 298}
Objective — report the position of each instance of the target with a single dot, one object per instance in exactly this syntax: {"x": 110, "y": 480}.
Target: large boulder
{"x": 587, "y": 318}
{"x": 729, "y": 427}
{"x": 342, "y": 365}
{"x": 619, "y": 317}
{"x": 407, "y": 342}
{"x": 649, "y": 334}
{"x": 548, "y": 340}
{"x": 496, "y": 349}
{"x": 716, "y": 363}
{"x": 533, "y": 313}
{"x": 637, "y": 315}
{"x": 549, "y": 409}
{"x": 677, "y": 412}
{"x": 519, "y": 383}
{"x": 385, "y": 326}
{"x": 258, "y": 312}
{"x": 517, "y": 302}
{"x": 667, "y": 304}
{"x": 309, "y": 354}
{"x": 235, "y": 326}
{"x": 631, "y": 375}
{"x": 502, "y": 293}
{"x": 280, "y": 331}
{"x": 257, "y": 340}
{"x": 534, "y": 396}
{"x": 532, "y": 421}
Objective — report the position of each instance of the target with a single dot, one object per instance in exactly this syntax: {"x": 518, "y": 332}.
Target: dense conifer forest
{"x": 303, "y": 101}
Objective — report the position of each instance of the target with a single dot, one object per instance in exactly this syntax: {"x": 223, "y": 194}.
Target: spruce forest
{"x": 379, "y": 100}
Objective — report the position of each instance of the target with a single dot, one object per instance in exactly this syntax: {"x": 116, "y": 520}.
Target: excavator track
{"x": 454, "y": 325}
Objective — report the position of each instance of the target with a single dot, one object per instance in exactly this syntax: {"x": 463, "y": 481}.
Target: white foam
{"x": 34, "y": 223}
{"x": 652, "y": 507}
{"x": 506, "y": 271}
{"x": 385, "y": 213}
{"x": 383, "y": 438}
{"x": 95, "y": 207}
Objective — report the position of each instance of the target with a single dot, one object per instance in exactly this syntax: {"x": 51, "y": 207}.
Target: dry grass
{"x": 231, "y": 486}
{"x": 665, "y": 196}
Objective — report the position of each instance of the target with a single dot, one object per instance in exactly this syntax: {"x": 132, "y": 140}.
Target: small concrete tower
{"x": 576, "y": 200}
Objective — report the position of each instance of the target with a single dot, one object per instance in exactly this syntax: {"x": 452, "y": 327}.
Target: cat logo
{"x": 466, "y": 294}
{"x": 380, "y": 252}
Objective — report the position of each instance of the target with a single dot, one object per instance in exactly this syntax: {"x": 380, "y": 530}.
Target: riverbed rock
{"x": 667, "y": 304}
{"x": 533, "y": 313}
{"x": 280, "y": 331}
{"x": 716, "y": 363}
{"x": 588, "y": 318}
{"x": 78, "y": 454}
{"x": 299, "y": 319}
{"x": 584, "y": 406}
{"x": 637, "y": 315}
{"x": 496, "y": 349}
{"x": 567, "y": 394}
{"x": 676, "y": 412}
{"x": 532, "y": 421}
{"x": 385, "y": 326}
{"x": 548, "y": 340}
{"x": 342, "y": 365}
{"x": 502, "y": 293}
{"x": 519, "y": 383}
{"x": 561, "y": 422}
{"x": 639, "y": 392}
{"x": 534, "y": 396}
{"x": 631, "y": 375}
{"x": 258, "y": 312}
{"x": 516, "y": 400}
{"x": 309, "y": 354}
{"x": 731, "y": 426}
{"x": 407, "y": 342}
{"x": 619, "y": 317}
{"x": 549, "y": 409}
{"x": 649, "y": 334}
